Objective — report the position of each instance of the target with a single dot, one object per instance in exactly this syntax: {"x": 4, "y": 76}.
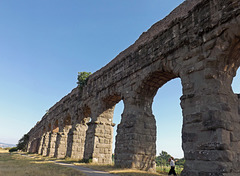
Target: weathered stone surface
{"x": 198, "y": 43}
{"x": 52, "y": 144}
{"x": 45, "y": 145}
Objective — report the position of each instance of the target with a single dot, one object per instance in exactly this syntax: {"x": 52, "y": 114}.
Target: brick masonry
{"x": 198, "y": 42}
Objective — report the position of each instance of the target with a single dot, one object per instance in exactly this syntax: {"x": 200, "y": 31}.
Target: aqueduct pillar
{"x": 210, "y": 124}
{"x": 76, "y": 141}
{"x": 42, "y": 139}
{"x": 136, "y": 135}
{"x": 98, "y": 146}
{"x": 45, "y": 144}
{"x": 53, "y": 139}
{"x": 62, "y": 137}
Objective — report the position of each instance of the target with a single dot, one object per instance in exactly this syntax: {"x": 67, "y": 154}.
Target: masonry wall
{"x": 199, "y": 43}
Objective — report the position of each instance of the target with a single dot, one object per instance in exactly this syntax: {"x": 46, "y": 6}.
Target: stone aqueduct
{"x": 199, "y": 42}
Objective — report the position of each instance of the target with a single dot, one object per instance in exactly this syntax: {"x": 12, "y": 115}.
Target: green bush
{"x": 13, "y": 149}
{"x": 82, "y": 79}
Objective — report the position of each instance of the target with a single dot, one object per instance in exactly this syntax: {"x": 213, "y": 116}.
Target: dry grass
{"x": 3, "y": 150}
{"x": 17, "y": 165}
{"x": 114, "y": 170}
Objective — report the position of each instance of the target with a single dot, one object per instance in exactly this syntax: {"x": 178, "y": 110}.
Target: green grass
{"x": 119, "y": 171}
{"x": 165, "y": 169}
{"x": 16, "y": 165}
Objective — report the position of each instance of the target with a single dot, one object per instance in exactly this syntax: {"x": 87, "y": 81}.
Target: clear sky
{"x": 45, "y": 43}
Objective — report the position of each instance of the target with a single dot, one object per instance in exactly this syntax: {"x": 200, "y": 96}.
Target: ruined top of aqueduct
{"x": 198, "y": 42}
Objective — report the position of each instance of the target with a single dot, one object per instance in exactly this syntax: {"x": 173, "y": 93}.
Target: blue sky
{"x": 45, "y": 43}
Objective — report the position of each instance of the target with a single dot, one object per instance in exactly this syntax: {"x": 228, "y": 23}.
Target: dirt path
{"x": 87, "y": 171}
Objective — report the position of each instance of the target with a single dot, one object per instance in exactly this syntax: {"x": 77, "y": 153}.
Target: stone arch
{"x": 210, "y": 108}
{"x": 34, "y": 145}
{"x": 110, "y": 103}
{"x": 232, "y": 55}
{"x": 169, "y": 119}
{"x": 55, "y": 126}
{"x": 99, "y": 137}
{"x": 49, "y": 127}
{"x": 155, "y": 80}
{"x": 67, "y": 122}
{"x": 233, "y": 58}
{"x": 86, "y": 115}
{"x": 61, "y": 146}
{"x": 42, "y": 140}
{"x": 112, "y": 100}
{"x": 199, "y": 111}
{"x": 138, "y": 124}
{"x": 228, "y": 44}
{"x": 77, "y": 134}
{"x": 46, "y": 139}
{"x": 53, "y": 138}
{"x": 44, "y": 130}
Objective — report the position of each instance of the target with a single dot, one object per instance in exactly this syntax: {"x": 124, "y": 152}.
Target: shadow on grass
{"x": 15, "y": 164}
{"x": 115, "y": 170}
{"x": 38, "y": 159}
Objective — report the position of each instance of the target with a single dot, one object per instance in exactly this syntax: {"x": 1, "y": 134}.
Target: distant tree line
{"x": 162, "y": 159}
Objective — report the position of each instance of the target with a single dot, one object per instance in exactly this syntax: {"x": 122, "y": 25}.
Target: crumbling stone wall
{"x": 199, "y": 42}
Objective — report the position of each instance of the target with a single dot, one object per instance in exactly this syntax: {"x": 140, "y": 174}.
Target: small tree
{"x": 22, "y": 143}
{"x": 82, "y": 79}
{"x": 162, "y": 159}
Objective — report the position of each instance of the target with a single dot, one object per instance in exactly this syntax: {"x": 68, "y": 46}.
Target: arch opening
{"x": 44, "y": 130}
{"x": 236, "y": 83}
{"x": 109, "y": 109}
{"x": 67, "y": 123}
{"x": 53, "y": 138}
{"x": 56, "y": 127}
{"x": 153, "y": 82}
{"x": 77, "y": 134}
{"x": 168, "y": 114}
{"x": 49, "y": 127}
{"x": 232, "y": 64}
{"x": 86, "y": 116}
{"x": 116, "y": 120}
{"x": 61, "y": 145}
{"x": 159, "y": 94}
{"x": 136, "y": 138}
{"x": 99, "y": 135}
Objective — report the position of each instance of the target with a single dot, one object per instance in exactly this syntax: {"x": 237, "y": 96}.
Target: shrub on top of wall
{"x": 82, "y": 79}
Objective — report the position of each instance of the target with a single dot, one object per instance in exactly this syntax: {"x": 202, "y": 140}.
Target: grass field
{"x": 165, "y": 169}
{"x": 3, "y": 150}
{"x": 123, "y": 172}
{"x": 108, "y": 168}
{"x": 17, "y": 165}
